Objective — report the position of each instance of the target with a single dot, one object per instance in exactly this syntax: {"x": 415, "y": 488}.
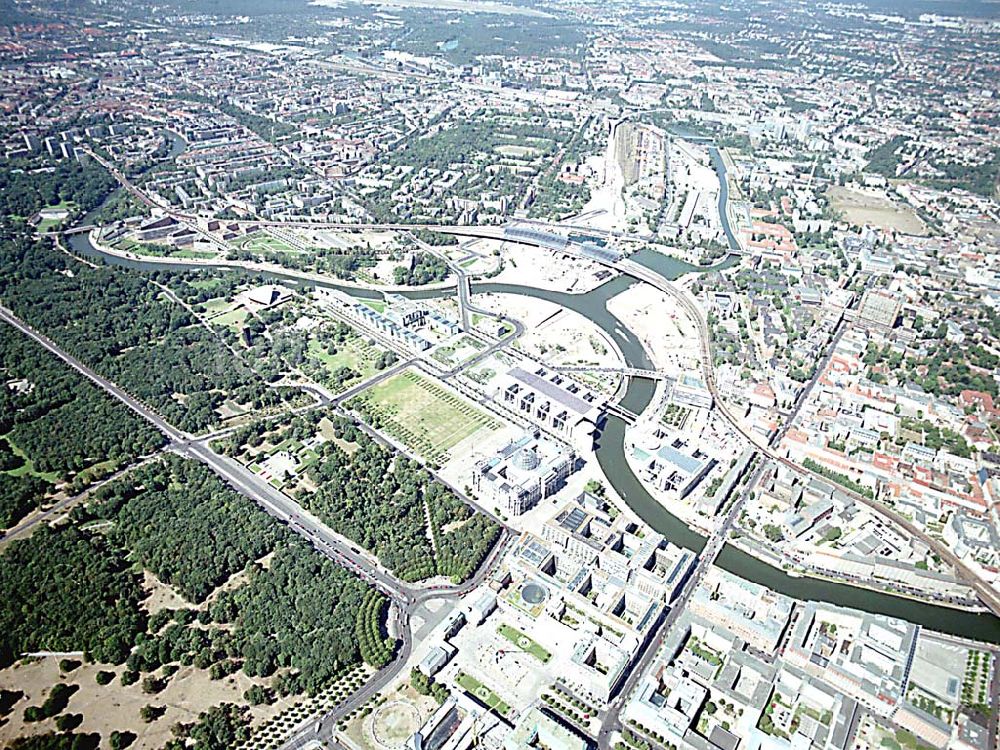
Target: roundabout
{"x": 394, "y": 723}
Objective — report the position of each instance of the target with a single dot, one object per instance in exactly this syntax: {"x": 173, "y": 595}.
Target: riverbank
{"x": 259, "y": 267}
{"x": 610, "y": 454}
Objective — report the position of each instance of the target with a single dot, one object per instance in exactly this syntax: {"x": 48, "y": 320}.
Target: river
{"x": 611, "y": 447}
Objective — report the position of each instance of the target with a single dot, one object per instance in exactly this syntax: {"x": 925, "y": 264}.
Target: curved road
{"x": 986, "y": 593}
{"x": 404, "y": 597}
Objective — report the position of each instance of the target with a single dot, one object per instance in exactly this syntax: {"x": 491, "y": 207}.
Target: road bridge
{"x": 632, "y": 372}
{"x": 986, "y": 593}
{"x": 620, "y": 411}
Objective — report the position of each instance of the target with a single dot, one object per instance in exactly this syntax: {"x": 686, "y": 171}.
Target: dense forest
{"x": 27, "y": 186}
{"x": 295, "y": 617}
{"x": 60, "y": 419}
{"x": 19, "y": 496}
{"x": 306, "y": 613}
{"x": 184, "y": 525}
{"x": 382, "y": 501}
{"x": 67, "y": 590}
{"x": 117, "y": 322}
{"x": 300, "y": 614}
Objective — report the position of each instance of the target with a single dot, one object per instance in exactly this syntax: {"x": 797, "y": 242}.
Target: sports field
{"x": 422, "y": 414}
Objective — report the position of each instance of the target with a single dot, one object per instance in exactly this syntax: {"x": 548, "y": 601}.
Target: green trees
{"x": 376, "y": 649}
{"x": 462, "y": 550}
{"x": 258, "y": 694}
{"x": 428, "y": 685}
{"x": 184, "y": 525}
{"x": 60, "y": 419}
{"x": 374, "y": 498}
{"x": 936, "y": 438}
{"x": 53, "y": 741}
{"x": 438, "y": 239}
{"x": 221, "y": 727}
{"x": 303, "y": 612}
{"x": 383, "y": 501}
{"x": 388, "y": 501}
{"x": 54, "y": 704}
{"x": 426, "y": 269}
{"x": 18, "y": 496}
{"x": 27, "y": 186}
{"x": 839, "y": 478}
{"x": 122, "y": 326}
{"x": 885, "y": 158}
{"x": 121, "y": 740}
{"x": 67, "y": 589}
{"x": 386, "y": 359}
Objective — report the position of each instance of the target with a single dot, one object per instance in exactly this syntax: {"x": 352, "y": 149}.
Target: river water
{"x": 610, "y": 448}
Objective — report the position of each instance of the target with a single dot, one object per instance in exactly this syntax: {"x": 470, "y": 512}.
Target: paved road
{"x": 65, "y": 503}
{"x": 119, "y": 393}
{"x": 611, "y": 721}
{"x": 804, "y": 394}
{"x": 986, "y": 593}
{"x": 404, "y": 597}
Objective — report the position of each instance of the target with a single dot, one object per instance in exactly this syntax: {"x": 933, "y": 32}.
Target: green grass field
{"x": 47, "y": 224}
{"x": 524, "y": 643}
{"x": 357, "y": 354}
{"x": 195, "y": 254}
{"x": 231, "y": 318}
{"x": 424, "y": 415}
{"x": 489, "y": 698}
{"x": 28, "y": 467}
{"x": 259, "y": 242}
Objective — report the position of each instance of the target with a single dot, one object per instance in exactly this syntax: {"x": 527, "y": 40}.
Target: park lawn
{"x": 489, "y": 698}
{"x": 28, "y": 467}
{"x": 155, "y": 249}
{"x": 356, "y": 354}
{"x": 233, "y": 318}
{"x": 374, "y": 304}
{"x": 196, "y": 254}
{"x": 423, "y": 414}
{"x": 265, "y": 243}
{"x": 524, "y": 643}
{"x": 216, "y": 305}
{"x": 99, "y": 469}
{"x": 46, "y": 224}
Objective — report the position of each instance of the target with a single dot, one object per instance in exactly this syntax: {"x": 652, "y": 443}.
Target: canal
{"x": 610, "y": 448}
